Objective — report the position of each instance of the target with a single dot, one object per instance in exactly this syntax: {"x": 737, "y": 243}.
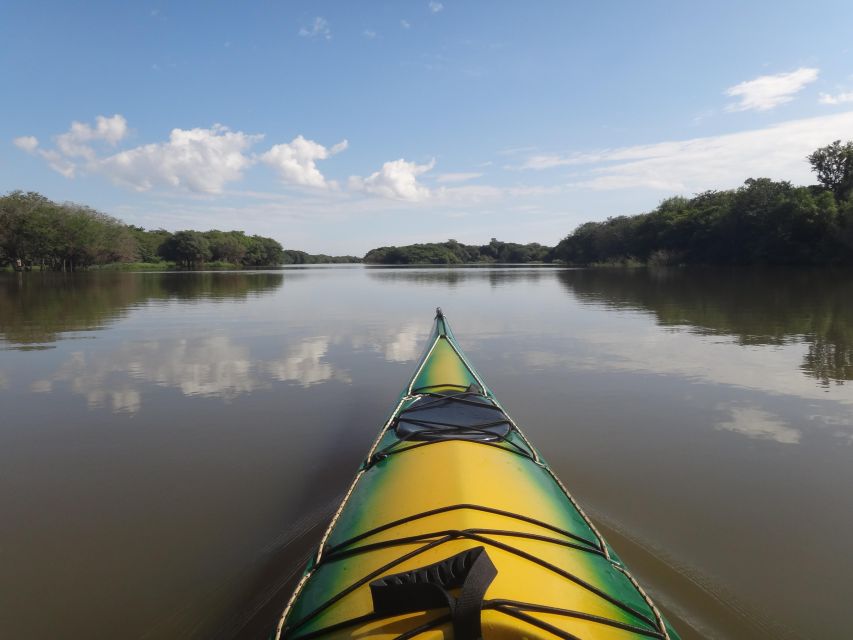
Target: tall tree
{"x": 834, "y": 167}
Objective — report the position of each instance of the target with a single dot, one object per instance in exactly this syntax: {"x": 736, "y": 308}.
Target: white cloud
{"x": 200, "y": 160}
{"x": 369, "y": 34}
{"x": 717, "y": 162}
{"x": 766, "y": 92}
{"x": 58, "y": 162}
{"x": 396, "y": 179}
{"x": 550, "y": 160}
{"x": 26, "y": 143}
{"x": 296, "y": 161}
{"x": 435, "y": 7}
{"x": 405, "y": 24}
{"x": 838, "y": 98}
{"x": 77, "y": 143}
{"x": 318, "y": 29}
{"x": 458, "y": 177}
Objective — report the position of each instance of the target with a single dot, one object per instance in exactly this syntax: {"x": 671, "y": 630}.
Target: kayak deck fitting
{"x": 455, "y": 527}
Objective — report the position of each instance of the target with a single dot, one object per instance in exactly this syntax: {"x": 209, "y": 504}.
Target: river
{"x": 171, "y": 444}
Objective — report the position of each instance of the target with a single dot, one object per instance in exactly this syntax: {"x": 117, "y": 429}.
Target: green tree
{"x": 187, "y": 248}
{"x": 834, "y": 167}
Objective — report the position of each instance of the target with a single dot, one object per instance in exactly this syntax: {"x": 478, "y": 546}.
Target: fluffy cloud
{"x": 200, "y": 160}
{"x": 767, "y": 92}
{"x": 26, "y": 143}
{"x": 296, "y": 161}
{"x": 839, "y": 98}
{"x": 76, "y": 142}
{"x": 435, "y": 7}
{"x": 318, "y": 29}
{"x": 778, "y": 152}
{"x": 397, "y": 179}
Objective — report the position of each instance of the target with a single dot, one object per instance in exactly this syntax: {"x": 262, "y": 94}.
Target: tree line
{"x": 453, "y": 252}
{"x": 762, "y": 222}
{"x": 36, "y": 232}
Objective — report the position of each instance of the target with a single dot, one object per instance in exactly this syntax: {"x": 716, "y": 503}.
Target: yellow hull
{"x": 425, "y": 498}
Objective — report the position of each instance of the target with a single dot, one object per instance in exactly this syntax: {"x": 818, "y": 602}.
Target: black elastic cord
{"x": 456, "y": 533}
{"x": 448, "y": 428}
{"x": 457, "y": 507}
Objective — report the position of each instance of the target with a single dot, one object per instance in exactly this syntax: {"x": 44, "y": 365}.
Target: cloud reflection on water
{"x": 759, "y": 424}
{"x": 213, "y": 366}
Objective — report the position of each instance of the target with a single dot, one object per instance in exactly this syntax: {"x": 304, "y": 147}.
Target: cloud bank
{"x": 717, "y": 162}
{"x": 200, "y": 160}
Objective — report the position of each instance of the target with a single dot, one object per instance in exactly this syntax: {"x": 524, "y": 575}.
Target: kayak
{"x": 455, "y": 527}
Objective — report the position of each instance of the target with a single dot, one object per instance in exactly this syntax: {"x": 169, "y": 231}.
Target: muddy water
{"x": 172, "y": 444}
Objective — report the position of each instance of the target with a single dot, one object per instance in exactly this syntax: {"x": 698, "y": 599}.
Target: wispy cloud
{"x": 838, "y": 98}
{"x": 405, "y": 24}
{"x": 370, "y": 34}
{"x": 767, "y": 92}
{"x": 435, "y": 7}
{"x": 317, "y": 29}
{"x": 458, "y": 177}
{"x": 697, "y": 164}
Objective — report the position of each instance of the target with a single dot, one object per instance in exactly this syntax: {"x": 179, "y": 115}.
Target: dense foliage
{"x": 453, "y": 252}
{"x": 37, "y": 232}
{"x": 762, "y": 222}
{"x": 34, "y": 230}
{"x": 292, "y": 256}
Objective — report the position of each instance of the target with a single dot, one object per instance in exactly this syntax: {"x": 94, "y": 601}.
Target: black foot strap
{"x": 429, "y": 587}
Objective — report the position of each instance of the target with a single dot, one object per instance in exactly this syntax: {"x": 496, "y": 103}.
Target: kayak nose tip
{"x": 438, "y": 312}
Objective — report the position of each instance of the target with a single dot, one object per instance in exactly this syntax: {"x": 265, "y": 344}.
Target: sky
{"x": 336, "y": 127}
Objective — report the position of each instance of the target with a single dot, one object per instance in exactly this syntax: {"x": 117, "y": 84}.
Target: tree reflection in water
{"x": 36, "y": 308}
{"x": 753, "y": 306}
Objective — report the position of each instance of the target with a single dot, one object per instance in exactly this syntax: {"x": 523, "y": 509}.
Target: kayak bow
{"x": 455, "y": 527}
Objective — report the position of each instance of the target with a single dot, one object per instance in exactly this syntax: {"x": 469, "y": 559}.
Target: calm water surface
{"x": 172, "y": 444}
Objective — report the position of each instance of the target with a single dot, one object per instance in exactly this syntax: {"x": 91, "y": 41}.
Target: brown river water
{"x": 172, "y": 444}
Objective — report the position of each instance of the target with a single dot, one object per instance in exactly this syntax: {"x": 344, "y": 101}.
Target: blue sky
{"x": 340, "y": 126}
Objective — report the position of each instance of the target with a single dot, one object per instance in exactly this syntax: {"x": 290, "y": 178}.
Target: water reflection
{"x": 212, "y": 366}
{"x": 754, "y": 307}
{"x": 305, "y": 363}
{"x": 495, "y": 276}
{"x": 759, "y": 424}
{"x": 39, "y": 307}
{"x": 674, "y": 403}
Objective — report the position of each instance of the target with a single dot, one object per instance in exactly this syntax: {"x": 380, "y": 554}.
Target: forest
{"x": 764, "y": 222}
{"x": 453, "y": 252}
{"x": 38, "y": 233}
